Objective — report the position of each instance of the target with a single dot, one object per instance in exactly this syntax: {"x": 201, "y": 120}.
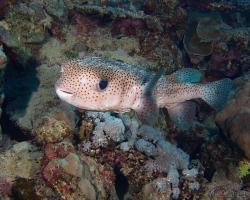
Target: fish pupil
{"x": 103, "y": 84}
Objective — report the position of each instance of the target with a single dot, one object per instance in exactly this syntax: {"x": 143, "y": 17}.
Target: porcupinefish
{"x": 97, "y": 84}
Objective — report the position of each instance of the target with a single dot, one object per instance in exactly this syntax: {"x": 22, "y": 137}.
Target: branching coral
{"x": 107, "y": 128}
{"x": 165, "y": 157}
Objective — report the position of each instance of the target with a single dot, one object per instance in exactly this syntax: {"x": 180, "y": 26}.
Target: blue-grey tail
{"x": 216, "y": 93}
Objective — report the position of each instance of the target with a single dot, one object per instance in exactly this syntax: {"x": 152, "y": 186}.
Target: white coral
{"x": 107, "y": 127}
{"x": 146, "y": 147}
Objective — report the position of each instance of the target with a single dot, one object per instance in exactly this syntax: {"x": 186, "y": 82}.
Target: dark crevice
{"x": 9, "y": 127}
{"x": 20, "y": 81}
{"x": 121, "y": 183}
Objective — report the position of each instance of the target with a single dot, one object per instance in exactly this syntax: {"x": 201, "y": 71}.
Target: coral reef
{"x": 96, "y": 155}
{"x": 20, "y": 161}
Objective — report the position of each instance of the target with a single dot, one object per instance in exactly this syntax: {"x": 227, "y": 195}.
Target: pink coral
{"x": 108, "y": 177}
{"x": 51, "y": 173}
{"x": 5, "y": 187}
{"x": 60, "y": 150}
{"x": 128, "y": 27}
{"x": 115, "y": 158}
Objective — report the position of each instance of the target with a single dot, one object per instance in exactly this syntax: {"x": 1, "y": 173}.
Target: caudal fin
{"x": 216, "y": 93}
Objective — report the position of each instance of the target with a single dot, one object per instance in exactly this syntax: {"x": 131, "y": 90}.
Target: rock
{"x": 20, "y": 161}
{"x": 234, "y": 119}
{"x": 72, "y": 165}
{"x": 87, "y": 189}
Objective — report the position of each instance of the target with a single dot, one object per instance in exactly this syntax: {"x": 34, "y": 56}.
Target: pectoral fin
{"x": 183, "y": 114}
{"x": 148, "y": 110}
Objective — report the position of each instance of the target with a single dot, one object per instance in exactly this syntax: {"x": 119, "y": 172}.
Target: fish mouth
{"x": 64, "y": 94}
{"x": 61, "y": 90}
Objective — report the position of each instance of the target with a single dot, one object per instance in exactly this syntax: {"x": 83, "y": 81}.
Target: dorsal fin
{"x": 186, "y": 75}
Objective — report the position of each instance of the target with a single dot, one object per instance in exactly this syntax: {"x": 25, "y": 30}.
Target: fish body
{"x": 94, "y": 83}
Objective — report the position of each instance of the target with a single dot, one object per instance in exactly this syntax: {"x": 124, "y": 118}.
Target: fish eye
{"x": 103, "y": 84}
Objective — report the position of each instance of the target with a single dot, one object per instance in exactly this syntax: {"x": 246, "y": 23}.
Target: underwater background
{"x": 52, "y": 150}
